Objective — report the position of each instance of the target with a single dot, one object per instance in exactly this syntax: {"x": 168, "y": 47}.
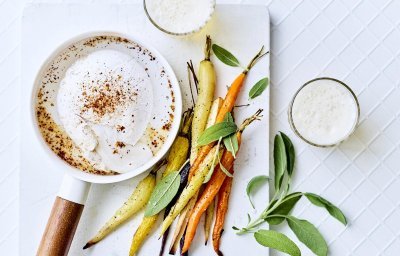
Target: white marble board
{"x": 241, "y": 29}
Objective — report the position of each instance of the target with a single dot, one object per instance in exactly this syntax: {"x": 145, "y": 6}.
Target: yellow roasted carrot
{"x": 175, "y": 159}
{"x": 206, "y": 87}
{"x": 135, "y": 202}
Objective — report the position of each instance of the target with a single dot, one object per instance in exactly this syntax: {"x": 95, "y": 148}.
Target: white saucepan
{"x": 167, "y": 106}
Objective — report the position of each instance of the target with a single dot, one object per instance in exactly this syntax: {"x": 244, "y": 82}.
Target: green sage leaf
{"x": 280, "y": 161}
{"x": 332, "y": 209}
{"x": 258, "y": 88}
{"x": 215, "y": 132}
{"x": 309, "y": 235}
{"x": 231, "y": 144}
{"x": 290, "y": 154}
{"x": 254, "y": 183}
{"x": 224, "y": 170}
{"x": 228, "y": 117}
{"x": 163, "y": 193}
{"x": 225, "y": 56}
{"x": 284, "y": 208}
{"x": 277, "y": 241}
{"x": 213, "y": 163}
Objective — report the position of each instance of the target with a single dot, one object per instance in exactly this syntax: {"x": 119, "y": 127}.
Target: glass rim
{"x": 179, "y": 33}
{"x": 290, "y": 117}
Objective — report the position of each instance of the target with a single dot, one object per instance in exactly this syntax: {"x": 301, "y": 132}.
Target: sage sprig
{"x": 281, "y": 205}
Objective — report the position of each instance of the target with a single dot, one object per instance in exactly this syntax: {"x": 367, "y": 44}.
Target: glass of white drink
{"x": 179, "y": 17}
{"x": 324, "y": 112}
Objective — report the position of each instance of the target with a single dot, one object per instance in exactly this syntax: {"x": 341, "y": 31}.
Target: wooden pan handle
{"x": 60, "y": 229}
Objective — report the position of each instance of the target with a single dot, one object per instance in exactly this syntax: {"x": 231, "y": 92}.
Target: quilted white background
{"x": 357, "y": 41}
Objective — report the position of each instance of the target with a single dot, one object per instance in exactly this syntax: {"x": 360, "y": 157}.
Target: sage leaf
{"x": 258, "y": 88}
{"x": 222, "y": 167}
{"x": 225, "y": 56}
{"x": 309, "y": 235}
{"x": 332, "y": 209}
{"x": 163, "y": 193}
{"x": 254, "y": 183}
{"x": 215, "y": 132}
{"x": 224, "y": 170}
{"x": 231, "y": 144}
{"x": 284, "y": 208}
{"x": 277, "y": 241}
{"x": 212, "y": 167}
{"x": 228, "y": 117}
{"x": 280, "y": 161}
{"x": 290, "y": 154}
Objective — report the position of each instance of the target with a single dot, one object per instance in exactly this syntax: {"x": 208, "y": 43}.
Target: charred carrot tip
{"x": 88, "y": 244}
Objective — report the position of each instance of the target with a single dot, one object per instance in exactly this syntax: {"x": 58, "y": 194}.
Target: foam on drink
{"x": 324, "y": 112}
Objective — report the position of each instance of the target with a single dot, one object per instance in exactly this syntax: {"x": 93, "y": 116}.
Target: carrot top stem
{"x": 207, "y": 49}
{"x": 249, "y": 120}
{"x": 193, "y": 73}
{"x": 256, "y": 58}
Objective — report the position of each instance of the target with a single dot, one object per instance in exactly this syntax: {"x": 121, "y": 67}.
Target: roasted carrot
{"x": 175, "y": 159}
{"x": 191, "y": 189}
{"x": 184, "y": 178}
{"x": 181, "y": 243}
{"x": 206, "y": 86}
{"x": 207, "y": 197}
{"x": 186, "y": 201}
{"x": 227, "y": 106}
{"x": 209, "y": 216}
{"x": 135, "y": 202}
{"x": 185, "y": 213}
{"x": 222, "y": 208}
{"x": 181, "y": 227}
{"x": 213, "y": 186}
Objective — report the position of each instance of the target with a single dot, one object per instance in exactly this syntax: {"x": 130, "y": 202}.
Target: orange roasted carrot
{"x": 222, "y": 208}
{"x": 227, "y": 106}
{"x": 208, "y": 195}
{"x": 213, "y": 186}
